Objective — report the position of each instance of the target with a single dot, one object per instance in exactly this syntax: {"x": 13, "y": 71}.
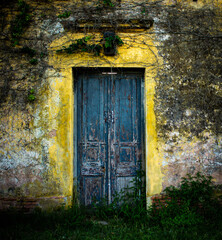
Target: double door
{"x": 109, "y": 131}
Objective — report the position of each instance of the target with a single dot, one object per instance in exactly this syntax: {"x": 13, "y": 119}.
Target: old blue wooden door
{"x": 109, "y": 131}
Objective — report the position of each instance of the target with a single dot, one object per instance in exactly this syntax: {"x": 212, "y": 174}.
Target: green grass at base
{"x": 66, "y": 225}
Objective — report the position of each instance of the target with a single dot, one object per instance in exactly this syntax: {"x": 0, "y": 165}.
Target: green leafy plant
{"x": 129, "y": 203}
{"x": 31, "y": 95}
{"x": 105, "y": 3}
{"x": 81, "y": 45}
{"x": 42, "y": 55}
{"x": 21, "y": 21}
{"x": 33, "y": 61}
{"x": 174, "y": 215}
{"x": 173, "y": 220}
{"x": 64, "y": 15}
{"x": 111, "y": 41}
{"x": 143, "y": 11}
{"x": 196, "y": 190}
{"x": 190, "y": 204}
{"x": 133, "y": 199}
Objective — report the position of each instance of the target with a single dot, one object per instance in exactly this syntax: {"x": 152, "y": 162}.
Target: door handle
{"x": 109, "y": 116}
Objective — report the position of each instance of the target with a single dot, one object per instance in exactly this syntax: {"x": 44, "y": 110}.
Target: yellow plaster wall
{"x": 138, "y": 55}
{"x": 60, "y": 113}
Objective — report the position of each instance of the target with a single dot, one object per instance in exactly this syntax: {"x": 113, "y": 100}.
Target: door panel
{"x": 92, "y": 142}
{"x": 109, "y": 126}
{"x": 126, "y": 140}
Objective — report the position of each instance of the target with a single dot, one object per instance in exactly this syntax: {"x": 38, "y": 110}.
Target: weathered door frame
{"x": 75, "y": 127}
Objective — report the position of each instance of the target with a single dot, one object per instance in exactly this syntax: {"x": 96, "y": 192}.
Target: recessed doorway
{"x": 108, "y": 130}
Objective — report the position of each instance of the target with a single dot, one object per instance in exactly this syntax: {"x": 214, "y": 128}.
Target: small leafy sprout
{"x": 87, "y": 38}
{"x": 15, "y": 42}
{"x": 104, "y": 3}
{"x": 109, "y": 42}
{"x": 64, "y": 15}
{"x": 31, "y": 95}
{"x": 143, "y": 11}
{"x": 33, "y": 61}
{"x": 42, "y": 55}
{"x": 108, "y": 3}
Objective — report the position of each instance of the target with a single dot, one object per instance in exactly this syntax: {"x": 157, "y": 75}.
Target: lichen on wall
{"x": 188, "y": 99}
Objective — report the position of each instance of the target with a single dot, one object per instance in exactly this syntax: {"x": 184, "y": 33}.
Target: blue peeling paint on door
{"x": 109, "y": 131}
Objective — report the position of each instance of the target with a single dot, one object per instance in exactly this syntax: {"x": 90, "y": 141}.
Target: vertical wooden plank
{"x": 126, "y": 138}
{"x": 92, "y": 146}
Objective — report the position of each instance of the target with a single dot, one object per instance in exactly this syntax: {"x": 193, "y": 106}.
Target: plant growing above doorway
{"x": 108, "y": 42}
{"x": 81, "y": 45}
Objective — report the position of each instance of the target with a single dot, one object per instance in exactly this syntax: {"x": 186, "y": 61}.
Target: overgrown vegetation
{"x": 82, "y": 45}
{"x": 129, "y": 204}
{"x": 111, "y": 41}
{"x": 190, "y": 205}
{"x": 21, "y": 21}
{"x": 64, "y": 15}
{"x": 188, "y": 212}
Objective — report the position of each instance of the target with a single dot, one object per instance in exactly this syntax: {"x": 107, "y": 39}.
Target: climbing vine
{"x": 82, "y": 45}
{"x": 21, "y": 21}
